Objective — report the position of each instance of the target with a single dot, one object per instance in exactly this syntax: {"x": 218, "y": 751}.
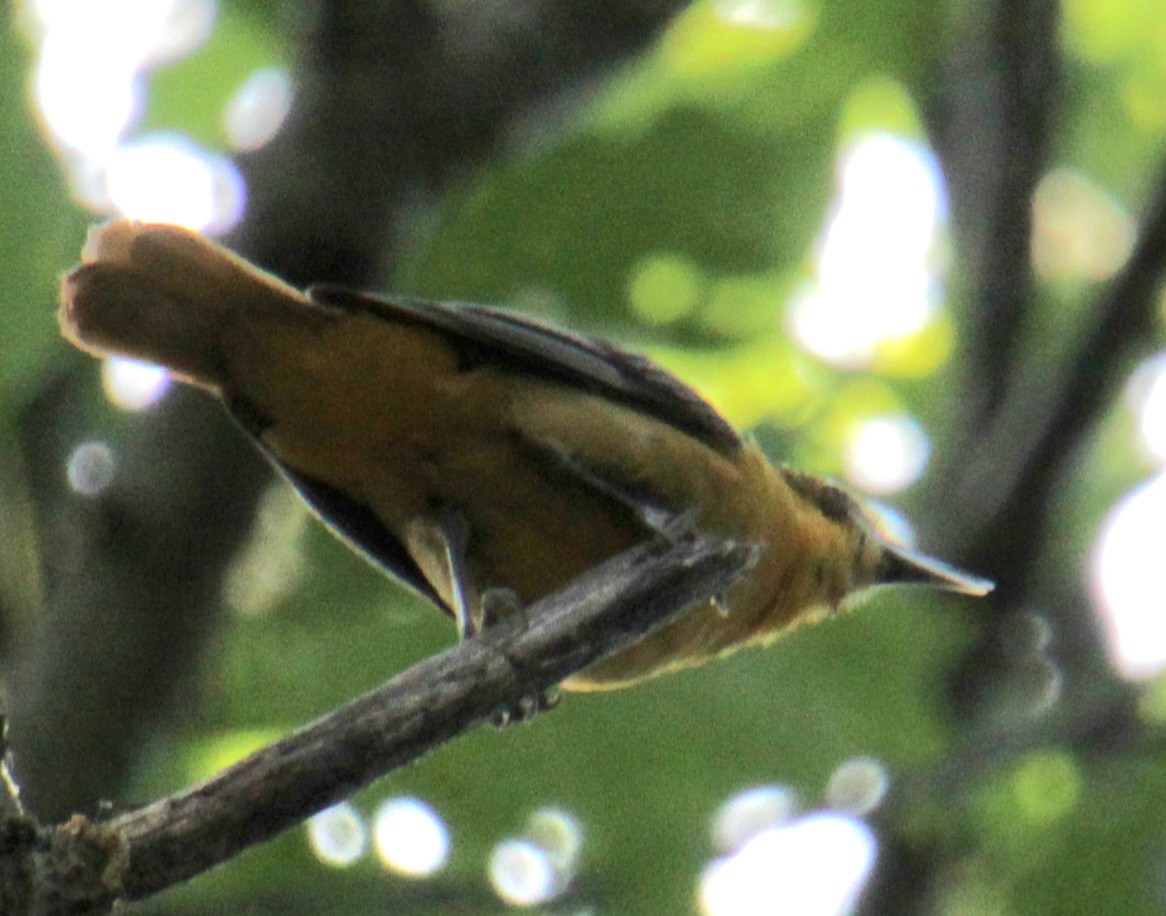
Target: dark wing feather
{"x": 590, "y": 364}
{"x": 359, "y": 526}
{"x": 352, "y": 521}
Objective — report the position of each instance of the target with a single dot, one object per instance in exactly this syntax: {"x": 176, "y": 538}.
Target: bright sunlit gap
{"x": 90, "y": 90}
{"x": 338, "y": 835}
{"x": 92, "y": 56}
{"x": 133, "y": 385}
{"x": 146, "y": 32}
{"x": 1146, "y": 394}
{"x": 410, "y": 837}
{"x": 88, "y": 76}
{"x": 815, "y": 866}
{"x": 86, "y": 115}
{"x": 875, "y": 281}
{"x": 168, "y": 178}
{"x": 1129, "y": 580}
{"x": 750, "y": 812}
{"x": 886, "y": 454}
{"x": 90, "y": 468}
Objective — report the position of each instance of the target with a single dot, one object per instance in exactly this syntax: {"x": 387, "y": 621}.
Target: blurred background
{"x": 915, "y": 246}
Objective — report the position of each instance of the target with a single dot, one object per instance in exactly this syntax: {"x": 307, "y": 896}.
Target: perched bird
{"x": 482, "y": 458}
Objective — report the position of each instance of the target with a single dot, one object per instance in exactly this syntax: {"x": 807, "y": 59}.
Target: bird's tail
{"x": 163, "y": 294}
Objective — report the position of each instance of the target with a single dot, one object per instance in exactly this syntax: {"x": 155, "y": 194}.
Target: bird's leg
{"x": 496, "y": 604}
{"x": 455, "y": 536}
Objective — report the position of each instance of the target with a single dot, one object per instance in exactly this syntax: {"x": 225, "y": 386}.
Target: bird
{"x": 480, "y": 457}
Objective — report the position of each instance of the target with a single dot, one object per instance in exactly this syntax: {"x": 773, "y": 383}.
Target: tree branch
{"x": 1012, "y": 503}
{"x": 998, "y": 505}
{"x": 998, "y": 110}
{"x": 130, "y": 574}
{"x": 173, "y": 839}
{"x": 396, "y": 98}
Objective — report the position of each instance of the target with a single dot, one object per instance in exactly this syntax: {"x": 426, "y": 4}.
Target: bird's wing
{"x": 351, "y": 520}
{"x": 524, "y": 345}
{"x": 360, "y": 527}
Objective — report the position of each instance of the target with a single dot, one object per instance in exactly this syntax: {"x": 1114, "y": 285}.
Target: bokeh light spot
{"x": 879, "y": 103}
{"x": 1147, "y": 396}
{"x": 273, "y": 563}
{"x": 133, "y": 385}
{"x": 919, "y": 354}
{"x": 220, "y": 750}
{"x": 723, "y": 35}
{"x": 886, "y": 454}
{"x": 1046, "y": 786}
{"x": 337, "y": 835}
{"x": 559, "y": 833}
{"x": 760, "y": 14}
{"x": 749, "y": 813}
{"x": 187, "y": 27}
{"x": 167, "y": 178}
{"x": 664, "y": 288}
{"x": 816, "y": 866}
{"x": 857, "y": 786}
{"x": 522, "y": 873}
{"x": 90, "y": 468}
{"x": 410, "y": 837}
{"x": 750, "y": 384}
{"x": 1129, "y": 580}
{"x": 1079, "y": 231}
{"x": 86, "y": 96}
{"x": 88, "y": 83}
{"x": 258, "y": 109}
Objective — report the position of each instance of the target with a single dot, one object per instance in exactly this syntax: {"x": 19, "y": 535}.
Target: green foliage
{"x": 190, "y": 94}
{"x": 678, "y": 212}
{"x": 39, "y": 237}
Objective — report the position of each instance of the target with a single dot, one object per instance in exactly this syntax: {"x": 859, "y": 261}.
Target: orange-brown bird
{"x": 482, "y": 458}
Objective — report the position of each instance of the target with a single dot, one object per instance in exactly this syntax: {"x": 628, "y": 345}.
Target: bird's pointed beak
{"x": 899, "y": 566}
